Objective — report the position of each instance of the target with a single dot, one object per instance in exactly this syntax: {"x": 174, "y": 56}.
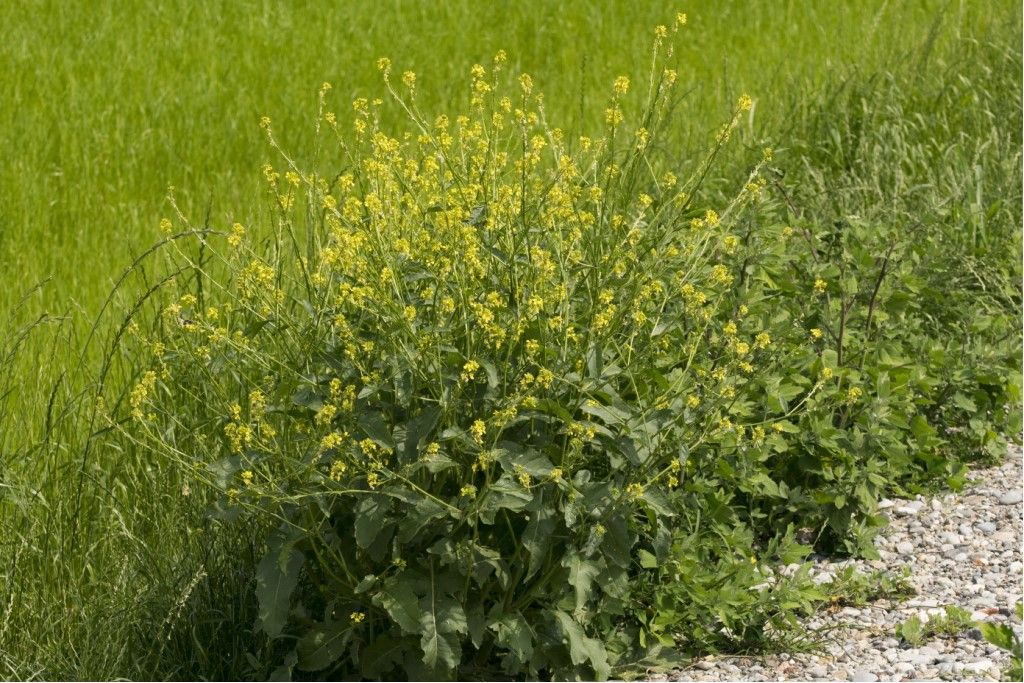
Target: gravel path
{"x": 963, "y": 549}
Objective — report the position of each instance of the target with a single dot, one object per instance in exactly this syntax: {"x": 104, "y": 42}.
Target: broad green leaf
{"x": 514, "y": 634}
{"x": 417, "y": 429}
{"x": 276, "y": 577}
{"x": 441, "y": 618}
{"x": 581, "y": 576}
{"x": 504, "y": 494}
{"x": 440, "y": 650}
{"x": 476, "y": 624}
{"x": 647, "y": 560}
{"x": 382, "y": 655}
{"x": 374, "y": 426}
{"x": 284, "y": 671}
{"x": 322, "y": 645}
{"x": 536, "y": 538}
{"x": 581, "y": 648}
{"x": 401, "y": 603}
{"x": 617, "y": 545}
{"x": 610, "y": 415}
{"x": 371, "y": 513}
{"x": 999, "y": 635}
{"x": 658, "y": 501}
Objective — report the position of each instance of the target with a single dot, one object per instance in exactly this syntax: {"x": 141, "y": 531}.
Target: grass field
{"x": 884, "y": 110}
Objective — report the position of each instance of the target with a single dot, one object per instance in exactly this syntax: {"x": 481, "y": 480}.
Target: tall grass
{"x": 107, "y": 566}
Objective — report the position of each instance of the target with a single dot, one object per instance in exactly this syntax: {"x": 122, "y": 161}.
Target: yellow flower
{"x": 820, "y": 286}
{"x": 730, "y": 328}
{"x": 826, "y": 374}
{"x": 357, "y": 617}
{"x": 635, "y": 490}
{"x": 468, "y": 491}
{"x": 247, "y": 477}
{"x": 816, "y": 333}
{"x": 478, "y": 430}
{"x": 721, "y": 275}
{"x": 762, "y": 340}
{"x": 745, "y": 103}
{"x": 329, "y": 441}
{"x": 409, "y": 78}
{"x": 621, "y": 85}
{"x": 854, "y": 394}
{"x": 141, "y": 393}
{"x": 165, "y": 226}
{"x": 337, "y": 470}
{"x": 469, "y": 371}
{"x": 692, "y": 401}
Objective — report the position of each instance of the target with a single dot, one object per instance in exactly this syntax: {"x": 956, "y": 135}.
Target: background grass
{"x": 108, "y": 569}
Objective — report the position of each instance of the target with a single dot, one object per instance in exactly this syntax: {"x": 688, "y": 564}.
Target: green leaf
{"x": 439, "y": 649}
{"x": 999, "y": 635}
{"x": 373, "y": 424}
{"x": 658, "y": 501}
{"x": 515, "y": 635}
{"x": 536, "y": 539}
{"x": 581, "y": 648}
{"x": 581, "y": 575}
{"x": 609, "y": 415}
{"x": 381, "y": 656}
{"x": 401, "y": 603}
{"x": 504, "y": 494}
{"x": 441, "y": 617}
{"x": 371, "y": 513}
{"x": 276, "y": 577}
{"x": 420, "y": 515}
{"x": 912, "y": 631}
{"x": 284, "y": 671}
{"x": 322, "y": 645}
{"x": 419, "y": 428}
{"x": 476, "y": 624}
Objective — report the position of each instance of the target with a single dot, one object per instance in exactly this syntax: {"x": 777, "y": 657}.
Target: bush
{"x": 490, "y": 364}
{"x": 504, "y": 401}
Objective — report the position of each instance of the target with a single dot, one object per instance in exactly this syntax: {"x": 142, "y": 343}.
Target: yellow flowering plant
{"x": 471, "y": 364}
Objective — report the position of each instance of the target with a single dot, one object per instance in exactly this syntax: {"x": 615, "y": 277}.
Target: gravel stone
{"x": 1011, "y": 497}
{"x": 963, "y": 549}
